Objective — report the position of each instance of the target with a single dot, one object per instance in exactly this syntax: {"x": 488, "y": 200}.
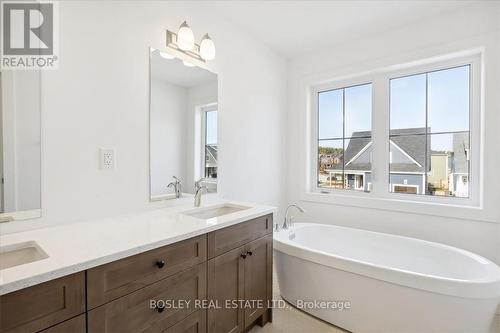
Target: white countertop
{"x": 76, "y": 247}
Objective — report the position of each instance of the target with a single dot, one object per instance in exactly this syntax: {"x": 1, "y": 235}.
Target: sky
{"x": 211, "y": 130}
{"x": 447, "y": 99}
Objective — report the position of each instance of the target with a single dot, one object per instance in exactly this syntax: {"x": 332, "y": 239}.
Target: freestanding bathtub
{"x": 392, "y": 283}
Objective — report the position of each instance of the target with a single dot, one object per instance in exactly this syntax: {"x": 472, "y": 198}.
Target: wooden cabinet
{"x": 36, "y": 308}
{"x": 118, "y": 296}
{"x": 74, "y": 325}
{"x": 119, "y": 278}
{"x": 243, "y": 274}
{"x": 134, "y": 313}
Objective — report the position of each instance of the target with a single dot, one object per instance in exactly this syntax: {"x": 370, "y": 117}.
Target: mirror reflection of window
{"x": 211, "y": 145}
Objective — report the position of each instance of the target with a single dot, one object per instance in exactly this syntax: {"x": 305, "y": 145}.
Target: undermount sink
{"x": 215, "y": 211}
{"x": 20, "y": 254}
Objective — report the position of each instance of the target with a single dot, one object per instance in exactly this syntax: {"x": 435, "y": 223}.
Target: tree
{"x": 330, "y": 151}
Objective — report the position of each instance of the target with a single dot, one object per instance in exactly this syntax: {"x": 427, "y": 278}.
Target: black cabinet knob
{"x": 249, "y": 253}
{"x": 243, "y": 255}
{"x": 160, "y": 264}
{"x": 160, "y": 309}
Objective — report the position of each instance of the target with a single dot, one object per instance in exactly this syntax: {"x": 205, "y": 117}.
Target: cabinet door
{"x": 225, "y": 283}
{"x": 258, "y": 278}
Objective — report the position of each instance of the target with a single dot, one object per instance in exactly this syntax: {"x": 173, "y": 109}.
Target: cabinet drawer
{"x": 224, "y": 240}
{"x": 194, "y": 323}
{"x": 75, "y": 325}
{"x": 133, "y": 313}
{"x": 36, "y": 308}
{"x": 119, "y": 278}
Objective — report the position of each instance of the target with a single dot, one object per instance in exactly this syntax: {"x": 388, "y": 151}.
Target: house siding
{"x": 408, "y": 179}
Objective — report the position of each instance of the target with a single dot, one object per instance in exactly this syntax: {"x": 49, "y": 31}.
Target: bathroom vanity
{"x": 195, "y": 276}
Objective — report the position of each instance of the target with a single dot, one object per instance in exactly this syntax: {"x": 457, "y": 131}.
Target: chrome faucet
{"x": 198, "y": 191}
{"x": 177, "y": 185}
{"x": 287, "y": 223}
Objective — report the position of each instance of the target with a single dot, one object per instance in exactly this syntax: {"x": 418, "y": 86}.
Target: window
{"x": 210, "y": 143}
{"x": 429, "y": 133}
{"x": 403, "y": 138}
{"x": 344, "y": 138}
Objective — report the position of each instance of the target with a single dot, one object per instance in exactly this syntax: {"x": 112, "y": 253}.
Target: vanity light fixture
{"x": 183, "y": 41}
{"x": 188, "y": 64}
{"x": 166, "y": 55}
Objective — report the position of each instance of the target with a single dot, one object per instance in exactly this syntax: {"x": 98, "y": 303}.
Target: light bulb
{"x": 207, "y": 48}
{"x": 166, "y": 55}
{"x": 188, "y": 64}
{"x": 185, "y": 37}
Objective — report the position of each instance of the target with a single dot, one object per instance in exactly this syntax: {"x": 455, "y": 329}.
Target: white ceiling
{"x": 298, "y": 27}
{"x": 175, "y": 72}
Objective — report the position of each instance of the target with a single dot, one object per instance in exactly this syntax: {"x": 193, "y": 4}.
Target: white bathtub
{"x": 393, "y": 283}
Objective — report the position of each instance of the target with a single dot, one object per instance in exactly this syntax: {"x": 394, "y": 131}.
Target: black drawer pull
{"x": 243, "y": 255}
{"x": 160, "y": 264}
{"x": 249, "y": 253}
{"x": 160, "y": 309}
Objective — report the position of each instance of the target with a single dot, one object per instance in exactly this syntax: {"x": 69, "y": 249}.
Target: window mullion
{"x": 380, "y": 137}
{"x": 343, "y": 139}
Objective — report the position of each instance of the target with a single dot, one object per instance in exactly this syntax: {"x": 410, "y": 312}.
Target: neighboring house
{"x": 437, "y": 178}
{"x": 328, "y": 161}
{"x": 459, "y": 174}
{"x": 211, "y": 161}
{"x": 447, "y": 171}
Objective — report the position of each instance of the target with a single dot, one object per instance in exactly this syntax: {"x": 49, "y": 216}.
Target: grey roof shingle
{"x": 413, "y": 145}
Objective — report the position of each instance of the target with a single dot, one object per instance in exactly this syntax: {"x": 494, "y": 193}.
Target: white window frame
{"x": 380, "y": 196}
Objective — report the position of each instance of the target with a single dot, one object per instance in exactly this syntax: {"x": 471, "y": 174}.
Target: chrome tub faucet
{"x": 287, "y": 223}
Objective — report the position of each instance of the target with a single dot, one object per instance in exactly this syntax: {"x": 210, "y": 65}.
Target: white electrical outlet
{"x": 107, "y": 159}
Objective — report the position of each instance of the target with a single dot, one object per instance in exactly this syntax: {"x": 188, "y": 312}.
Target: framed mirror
{"x": 183, "y": 127}
{"x": 20, "y": 145}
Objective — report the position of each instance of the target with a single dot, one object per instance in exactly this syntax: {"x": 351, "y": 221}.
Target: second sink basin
{"x": 20, "y": 254}
{"x": 215, "y": 211}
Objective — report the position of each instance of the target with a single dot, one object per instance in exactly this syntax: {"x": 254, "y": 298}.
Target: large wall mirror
{"x": 20, "y": 148}
{"x": 183, "y": 127}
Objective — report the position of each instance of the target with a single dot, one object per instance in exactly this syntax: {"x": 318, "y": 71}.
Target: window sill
{"x": 463, "y": 209}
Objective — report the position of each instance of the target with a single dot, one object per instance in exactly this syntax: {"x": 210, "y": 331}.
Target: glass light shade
{"x": 166, "y": 55}
{"x": 188, "y": 64}
{"x": 185, "y": 37}
{"x": 207, "y": 48}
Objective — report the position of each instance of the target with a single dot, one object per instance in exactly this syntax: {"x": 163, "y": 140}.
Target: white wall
{"x": 196, "y": 96}
{"x": 99, "y": 97}
{"x": 168, "y": 138}
{"x": 472, "y": 27}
